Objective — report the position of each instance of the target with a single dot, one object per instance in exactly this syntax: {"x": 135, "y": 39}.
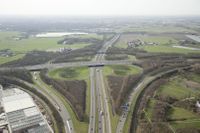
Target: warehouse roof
{"x": 22, "y": 113}
{"x": 15, "y": 99}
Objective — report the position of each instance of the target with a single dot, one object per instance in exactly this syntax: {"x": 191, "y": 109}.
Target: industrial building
{"x": 22, "y": 114}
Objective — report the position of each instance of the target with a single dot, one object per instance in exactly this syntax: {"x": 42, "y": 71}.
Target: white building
{"x": 22, "y": 113}
{"x": 198, "y": 104}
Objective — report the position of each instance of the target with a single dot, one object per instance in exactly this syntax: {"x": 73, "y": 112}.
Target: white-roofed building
{"x": 22, "y": 113}
{"x": 17, "y": 101}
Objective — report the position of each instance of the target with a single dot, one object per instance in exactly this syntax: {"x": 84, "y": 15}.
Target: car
{"x": 101, "y": 113}
{"x": 58, "y": 108}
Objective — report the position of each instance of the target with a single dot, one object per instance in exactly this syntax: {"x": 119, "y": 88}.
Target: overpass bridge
{"x": 72, "y": 64}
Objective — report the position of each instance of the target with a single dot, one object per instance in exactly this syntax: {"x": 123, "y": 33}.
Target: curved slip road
{"x": 55, "y": 100}
{"x": 146, "y": 80}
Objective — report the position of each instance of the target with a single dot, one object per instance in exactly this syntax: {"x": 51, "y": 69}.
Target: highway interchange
{"x": 98, "y": 92}
{"x": 99, "y": 119}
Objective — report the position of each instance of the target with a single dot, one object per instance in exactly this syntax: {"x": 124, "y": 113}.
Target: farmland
{"x": 76, "y": 65}
{"x": 160, "y": 39}
{"x": 172, "y": 104}
{"x": 168, "y": 49}
{"x": 156, "y": 29}
{"x": 20, "y": 45}
{"x": 164, "y": 43}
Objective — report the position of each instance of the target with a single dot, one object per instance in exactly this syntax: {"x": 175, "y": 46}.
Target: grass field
{"x": 149, "y": 109}
{"x": 121, "y": 70}
{"x": 114, "y": 119}
{"x": 155, "y": 29}
{"x": 163, "y": 40}
{"x": 79, "y": 73}
{"x": 191, "y": 123}
{"x": 182, "y": 118}
{"x": 194, "y": 77}
{"x": 91, "y": 35}
{"x": 177, "y": 89}
{"x": 21, "y": 47}
{"x": 165, "y": 43}
{"x": 8, "y": 59}
{"x": 180, "y": 113}
{"x": 167, "y": 49}
{"x": 131, "y": 57}
{"x": 7, "y": 41}
{"x": 83, "y": 126}
{"x": 118, "y": 70}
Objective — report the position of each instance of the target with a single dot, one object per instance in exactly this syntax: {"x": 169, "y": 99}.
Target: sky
{"x": 100, "y": 7}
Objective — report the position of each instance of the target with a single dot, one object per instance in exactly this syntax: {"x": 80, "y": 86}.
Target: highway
{"x": 98, "y": 91}
{"x": 145, "y": 81}
{"x": 99, "y": 100}
{"x": 92, "y": 103}
{"x": 104, "y": 100}
{"x": 99, "y": 106}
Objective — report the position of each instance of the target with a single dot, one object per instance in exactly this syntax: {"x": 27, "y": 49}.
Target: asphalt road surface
{"x": 96, "y": 79}
{"x": 72, "y": 64}
{"x": 92, "y": 102}
{"x": 55, "y": 100}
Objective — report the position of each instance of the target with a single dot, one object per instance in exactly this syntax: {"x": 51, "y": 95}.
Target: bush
{"x": 21, "y": 74}
{"x": 74, "y": 91}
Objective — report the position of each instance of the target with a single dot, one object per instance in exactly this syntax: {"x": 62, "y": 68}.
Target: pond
{"x": 59, "y": 34}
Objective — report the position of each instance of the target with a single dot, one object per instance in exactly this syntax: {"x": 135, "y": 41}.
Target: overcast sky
{"x": 100, "y": 7}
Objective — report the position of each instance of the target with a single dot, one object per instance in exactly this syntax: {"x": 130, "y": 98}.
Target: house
{"x": 135, "y": 43}
{"x": 65, "y": 50}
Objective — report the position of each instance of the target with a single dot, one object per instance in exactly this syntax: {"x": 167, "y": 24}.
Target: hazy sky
{"x": 100, "y": 7}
